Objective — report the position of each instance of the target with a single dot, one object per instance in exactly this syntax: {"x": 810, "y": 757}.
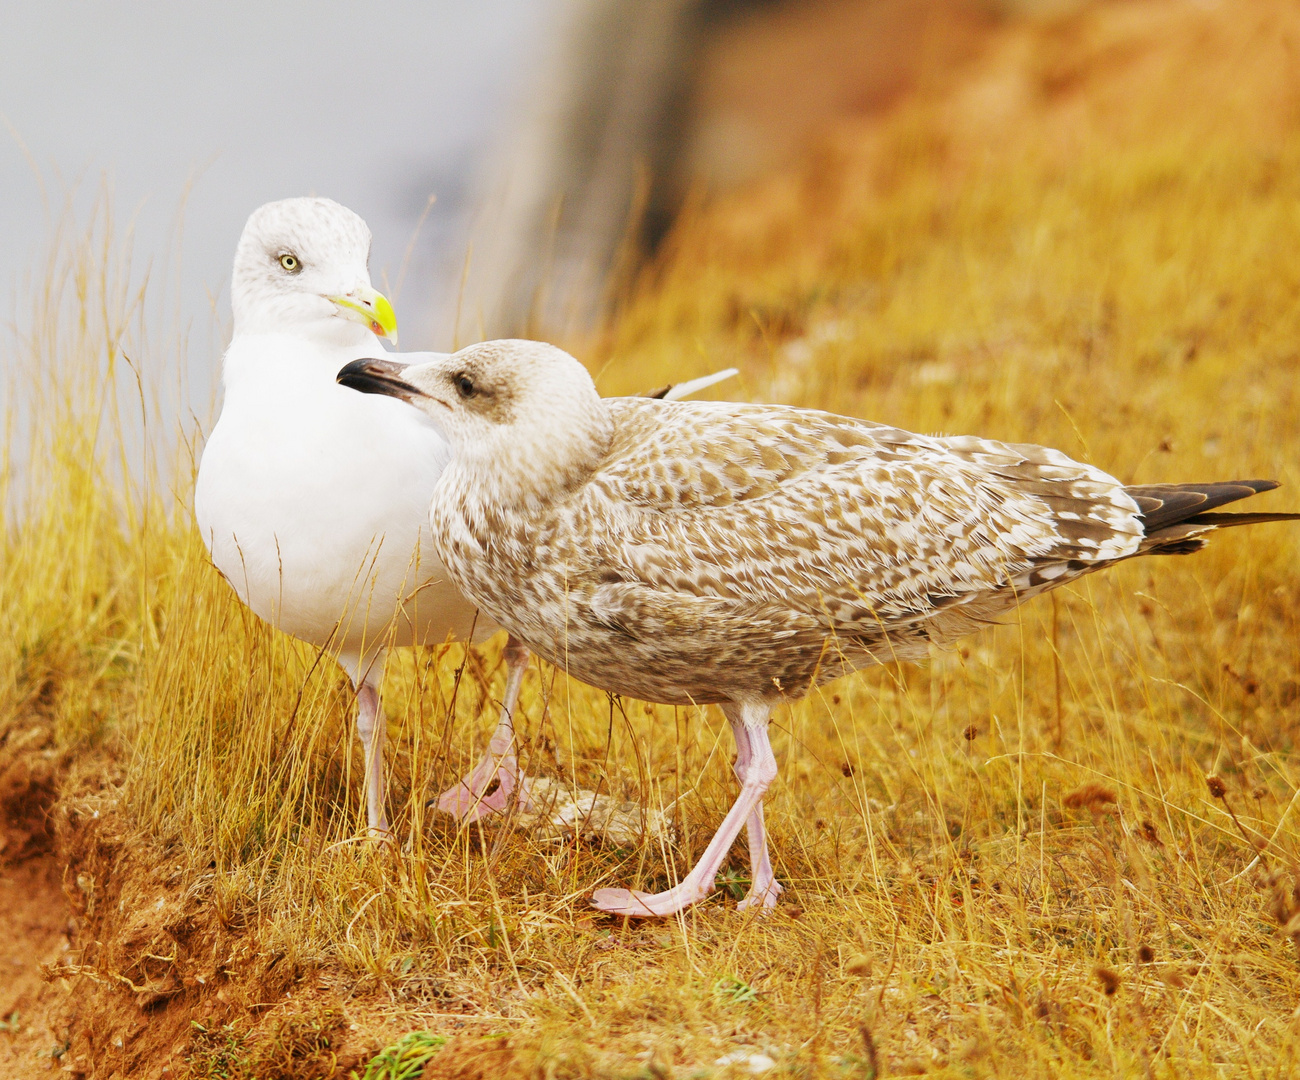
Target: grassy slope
{"x": 1006, "y": 860}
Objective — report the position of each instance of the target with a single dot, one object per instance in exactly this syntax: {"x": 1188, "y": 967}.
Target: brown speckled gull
{"x": 697, "y": 552}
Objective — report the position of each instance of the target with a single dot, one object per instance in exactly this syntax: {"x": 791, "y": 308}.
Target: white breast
{"x": 313, "y": 500}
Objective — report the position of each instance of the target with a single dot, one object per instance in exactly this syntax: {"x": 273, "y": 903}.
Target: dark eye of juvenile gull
{"x": 291, "y": 262}
{"x": 464, "y": 385}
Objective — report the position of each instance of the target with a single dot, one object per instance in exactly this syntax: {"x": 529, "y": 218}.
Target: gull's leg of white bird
{"x": 371, "y": 726}
{"x": 760, "y": 771}
{"x": 466, "y": 799}
{"x": 763, "y": 888}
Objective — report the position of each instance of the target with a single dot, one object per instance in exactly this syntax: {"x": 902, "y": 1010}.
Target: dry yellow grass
{"x": 1006, "y": 861}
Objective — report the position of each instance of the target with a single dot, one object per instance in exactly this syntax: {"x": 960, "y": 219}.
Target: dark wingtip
{"x": 371, "y": 376}
{"x": 1166, "y": 505}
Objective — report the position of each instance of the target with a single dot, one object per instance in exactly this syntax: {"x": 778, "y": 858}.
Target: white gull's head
{"x": 301, "y": 268}
{"x": 523, "y": 411}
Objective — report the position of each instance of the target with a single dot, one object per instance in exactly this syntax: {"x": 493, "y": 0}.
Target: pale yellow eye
{"x": 290, "y": 262}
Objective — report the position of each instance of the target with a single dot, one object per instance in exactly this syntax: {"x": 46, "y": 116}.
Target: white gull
{"x": 314, "y": 500}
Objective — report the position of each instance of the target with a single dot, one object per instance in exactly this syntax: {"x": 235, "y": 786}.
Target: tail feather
{"x": 1176, "y": 517}
{"x": 1163, "y": 505}
{"x": 677, "y": 391}
{"x": 1226, "y": 521}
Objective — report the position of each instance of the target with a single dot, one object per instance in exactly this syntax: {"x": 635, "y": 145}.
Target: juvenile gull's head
{"x": 301, "y": 268}
{"x": 524, "y": 412}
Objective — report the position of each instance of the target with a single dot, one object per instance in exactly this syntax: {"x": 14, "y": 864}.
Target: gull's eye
{"x": 291, "y": 262}
{"x": 465, "y": 385}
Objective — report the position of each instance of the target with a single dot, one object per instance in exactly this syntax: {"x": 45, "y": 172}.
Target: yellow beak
{"x": 371, "y": 309}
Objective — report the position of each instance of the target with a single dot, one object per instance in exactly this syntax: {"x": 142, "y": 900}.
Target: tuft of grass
{"x": 405, "y": 1059}
{"x": 298, "y": 1047}
{"x": 217, "y": 1053}
{"x": 1104, "y": 262}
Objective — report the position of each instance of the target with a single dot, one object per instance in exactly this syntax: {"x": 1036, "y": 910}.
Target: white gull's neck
{"x": 314, "y": 355}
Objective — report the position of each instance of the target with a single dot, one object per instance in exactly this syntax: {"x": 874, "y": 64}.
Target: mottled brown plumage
{"x": 739, "y": 554}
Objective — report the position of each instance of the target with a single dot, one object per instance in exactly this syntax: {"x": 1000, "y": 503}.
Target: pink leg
{"x": 370, "y": 726}
{"x": 466, "y": 799}
{"x": 759, "y": 772}
{"x": 763, "y": 888}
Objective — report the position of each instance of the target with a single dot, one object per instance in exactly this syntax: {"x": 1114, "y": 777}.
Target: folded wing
{"x": 848, "y": 526}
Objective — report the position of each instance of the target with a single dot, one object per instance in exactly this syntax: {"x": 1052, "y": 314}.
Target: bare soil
{"x": 114, "y": 964}
{"x": 36, "y": 920}
{"x": 35, "y": 929}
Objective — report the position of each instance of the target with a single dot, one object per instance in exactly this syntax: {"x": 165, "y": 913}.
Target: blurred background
{"x": 1066, "y": 223}
{"x": 517, "y": 160}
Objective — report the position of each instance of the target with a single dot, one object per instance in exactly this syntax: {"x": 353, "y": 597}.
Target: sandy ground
{"x": 34, "y": 924}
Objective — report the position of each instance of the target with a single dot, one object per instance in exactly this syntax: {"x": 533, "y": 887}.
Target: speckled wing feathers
{"x": 856, "y": 526}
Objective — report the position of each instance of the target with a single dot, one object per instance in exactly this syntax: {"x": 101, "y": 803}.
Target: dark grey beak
{"x": 378, "y": 377}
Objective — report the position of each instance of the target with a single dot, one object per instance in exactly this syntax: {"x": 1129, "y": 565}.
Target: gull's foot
{"x": 766, "y": 898}
{"x": 645, "y": 905}
{"x": 465, "y": 802}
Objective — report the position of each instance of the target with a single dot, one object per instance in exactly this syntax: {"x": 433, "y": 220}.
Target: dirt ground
{"x": 84, "y": 898}
{"x": 37, "y": 923}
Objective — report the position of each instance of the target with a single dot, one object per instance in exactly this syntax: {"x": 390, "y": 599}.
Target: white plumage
{"x": 314, "y": 500}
